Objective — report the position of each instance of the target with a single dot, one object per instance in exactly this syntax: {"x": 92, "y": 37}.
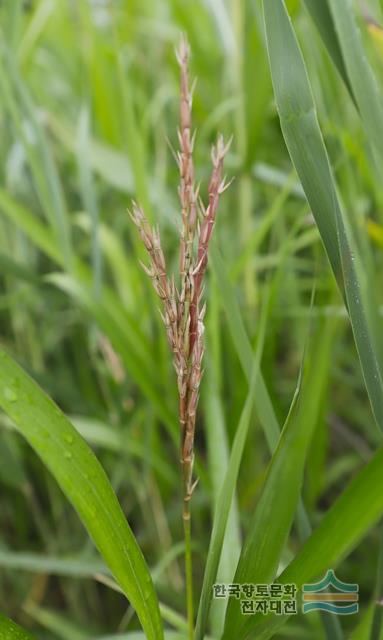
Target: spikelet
{"x": 181, "y": 311}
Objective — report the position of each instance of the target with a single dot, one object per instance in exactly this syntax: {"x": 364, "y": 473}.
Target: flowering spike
{"x": 181, "y": 311}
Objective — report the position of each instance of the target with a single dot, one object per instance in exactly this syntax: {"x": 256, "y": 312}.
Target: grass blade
{"x": 242, "y": 344}
{"x": 275, "y": 510}
{"x": 9, "y": 630}
{"x": 79, "y": 567}
{"x": 304, "y": 141}
{"x": 218, "y": 454}
{"x": 88, "y": 194}
{"x": 227, "y": 492}
{"x": 363, "y": 81}
{"x": 262, "y": 401}
{"x": 321, "y": 15}
{"x": 299, "y": 124}
{"x": 43, "y": 168}
{"x": 85, "y": 484}
{"x": 346, "y": 522}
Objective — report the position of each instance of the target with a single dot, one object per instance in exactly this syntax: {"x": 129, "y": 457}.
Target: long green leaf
{"x": 262, "y": 400}
{"x": 218, "y": 453}
{"x": 304, "y": 141}
{"x": 274, "y": 514}
{"x": 224, "y": 502}
{"x": 263, "y": 404}
{"x": 78, "y": 567}
{"x": 368, "y": 95}
{"x": 320, "y": 13}
{"x": 340, "y": 530}
{"x": 85, "y": 484}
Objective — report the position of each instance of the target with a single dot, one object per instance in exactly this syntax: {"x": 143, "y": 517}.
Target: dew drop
{"x": 67, "y": 455}
{"x": 68, "y": 438}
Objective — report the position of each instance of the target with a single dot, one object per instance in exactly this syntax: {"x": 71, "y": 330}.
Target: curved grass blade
{"x": 9, "y": 630}
{"x": 320, "y": 13}
{"x": 262, "y": 400}
{"x": 84, "y": 483}
{"x": 263, "y": 404}
{"x": 342, "y": 527}
{"x": 41, "y": 235}
{"x": 299, "y": 124}
{"x": 218, "y": 454}
{"x": 277, "y": 505}
{"x": 368, "y": 95}
{"x": 305, "y": 144}
{"x": 224, "y": 501}
{"x": 78, "y": 567}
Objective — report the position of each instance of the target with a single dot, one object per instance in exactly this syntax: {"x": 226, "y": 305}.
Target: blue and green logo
{"x": 341, "y": 600}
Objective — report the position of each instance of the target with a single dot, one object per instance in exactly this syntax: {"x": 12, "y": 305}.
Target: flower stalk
{"x": 182, "y": 307}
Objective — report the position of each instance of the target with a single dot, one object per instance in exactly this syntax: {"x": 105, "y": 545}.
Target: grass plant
{"x": 286, "y": 443}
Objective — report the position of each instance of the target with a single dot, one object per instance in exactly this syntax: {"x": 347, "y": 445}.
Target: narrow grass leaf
{"x": 47, "y": 182}
{"x": 36, "y": 26}
{"x": 299, "y": 124}
{"x": 84, "y": 483}
{"x": 218, "y": 450}
{"x": 262, "y": 401}
{"x": 41, "y": 235}
{"x": 340, "y": 530}
{"x": 321, "y": 15}
{"x": 366, "y": 90}
{"x": 78, "y": 567}
{"x": 270, "y": 525}
{"x": 304, "y": 141}
{"x": 263, "y": 404}
{"x": 88, "y": 193}
{"x": 224, "y": 502}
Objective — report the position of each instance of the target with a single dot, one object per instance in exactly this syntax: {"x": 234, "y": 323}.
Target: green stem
{"x": 188, "y": 570}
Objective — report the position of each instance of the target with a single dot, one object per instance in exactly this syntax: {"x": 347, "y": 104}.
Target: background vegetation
{"x": 89, "y": 115}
